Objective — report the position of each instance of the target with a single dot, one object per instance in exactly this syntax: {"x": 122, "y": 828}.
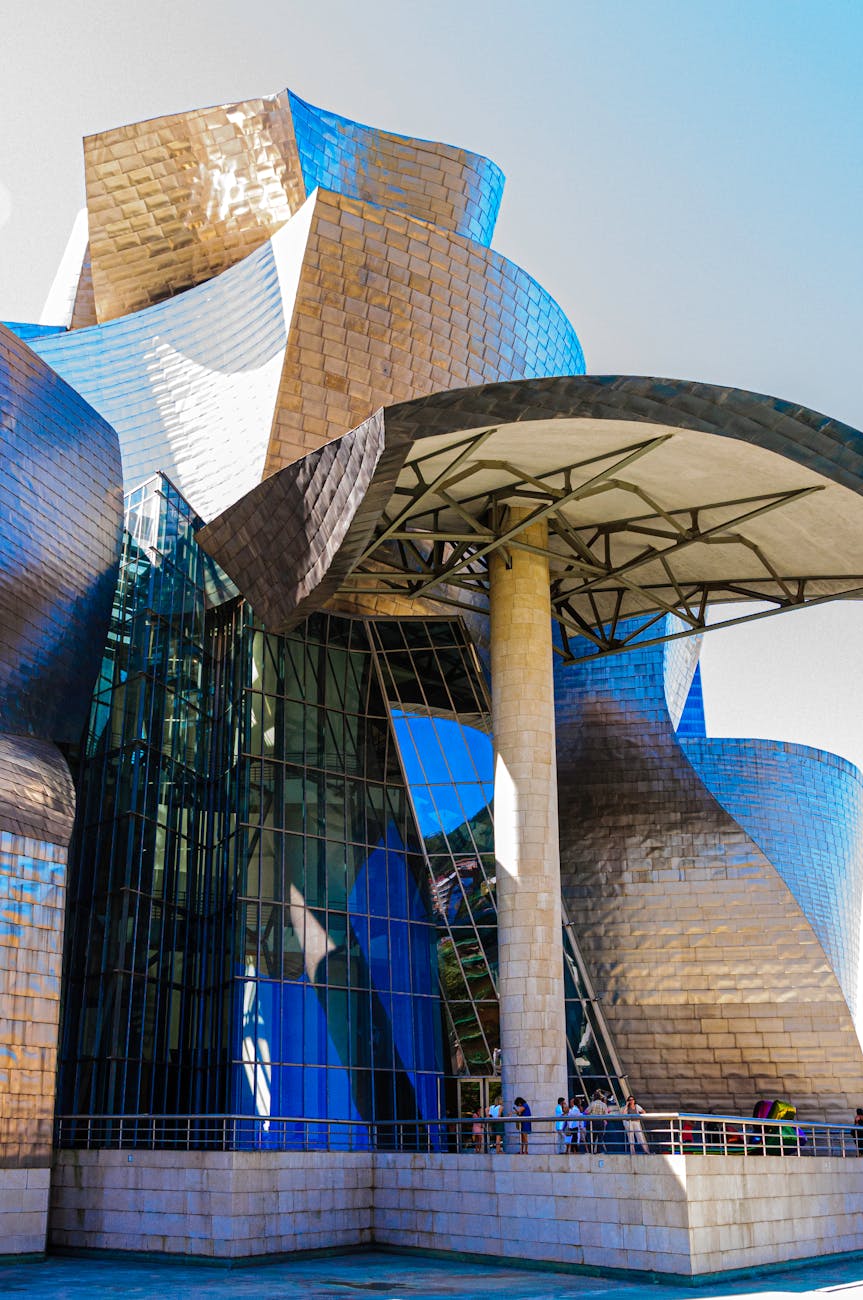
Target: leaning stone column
{"x": 533, "y": 1042}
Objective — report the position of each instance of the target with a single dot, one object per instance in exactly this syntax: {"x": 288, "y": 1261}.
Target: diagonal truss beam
{"x": 438, "y": 543}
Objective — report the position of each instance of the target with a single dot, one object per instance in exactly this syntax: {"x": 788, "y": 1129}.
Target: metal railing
{"x": 617, "y": 1133}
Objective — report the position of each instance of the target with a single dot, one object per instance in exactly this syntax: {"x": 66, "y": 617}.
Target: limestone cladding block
{"x": 533, "y": 1043}
{"x": 672, "y": 1214}
{"x": 24, "y": 1210}
{"x": 224, "y": 1205}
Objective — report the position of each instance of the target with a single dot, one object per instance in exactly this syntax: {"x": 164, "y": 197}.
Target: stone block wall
{"x": 625, "y": 1212}
{"x": 683, "y": 1215}
{"x": 748, "y": 1213}
{"x": 23, "y": 1210}
{"x": 219, "y": 1205}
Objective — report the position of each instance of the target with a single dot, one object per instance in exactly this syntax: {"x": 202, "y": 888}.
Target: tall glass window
{"x": 441, "y": 715}
{"x": 282, "y": 881}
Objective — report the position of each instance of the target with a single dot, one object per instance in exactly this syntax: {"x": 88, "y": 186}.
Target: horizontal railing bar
{"x": 685, "y": 1116}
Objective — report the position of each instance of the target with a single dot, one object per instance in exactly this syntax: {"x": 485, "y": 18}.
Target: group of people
{"x": 521, "y": 1114}
{"x": 580, "y": 1125}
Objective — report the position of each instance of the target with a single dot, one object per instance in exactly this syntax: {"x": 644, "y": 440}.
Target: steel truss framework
{"x": 437, "y": 543}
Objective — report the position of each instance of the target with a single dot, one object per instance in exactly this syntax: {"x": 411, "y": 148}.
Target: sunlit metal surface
{"x": 176, "y": 200}
{"x": 191, "y": 384}
{"x": 60, "y": 512}
{"x": 37, "y": 804}
{"x": 346, "y": 309}
{"x": 60, "y": 520}
{"x": 448, "y": 187}
{"x": 804, "y": 809}
{"x": 660, "y": 497}
{"x": 707, "y": 936}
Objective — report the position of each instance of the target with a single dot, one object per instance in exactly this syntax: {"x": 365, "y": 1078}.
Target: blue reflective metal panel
{"x": 448, "y": 186}
{"x": 60, "y": 517}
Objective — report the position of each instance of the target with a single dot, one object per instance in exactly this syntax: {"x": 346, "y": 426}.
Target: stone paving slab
{"x": 392, "y": 1277}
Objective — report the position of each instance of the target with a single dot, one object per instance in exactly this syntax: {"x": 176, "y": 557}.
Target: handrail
{"x": 617, "y": 1132}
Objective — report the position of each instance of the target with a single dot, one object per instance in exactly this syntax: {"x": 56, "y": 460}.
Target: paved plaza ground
{"x": 393, "y": 1277}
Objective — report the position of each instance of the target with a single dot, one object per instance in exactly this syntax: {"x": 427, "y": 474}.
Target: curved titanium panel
{"x": 388, "y": 309}
{"x": 815, "y": 441}
{"x": 286, "y": 536}
{"x": 715, "y": 985}
{"x": 37, "y": 797}
{"x": 176, "y": 200}
{"x": 509, "y": 439}
{"x": 348, "y": 307}
{"x": 449, "y": 187}
{"x": 60, "y": 523}
{"x": 37, "y": 805}
{"x": 190, "y": 385}
{"x": 804, "y": 809}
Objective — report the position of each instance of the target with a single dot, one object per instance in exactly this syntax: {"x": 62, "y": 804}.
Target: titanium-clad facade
{"x": 804, "y": 808}
{"x": 285, "y": 902}
{"x": 297, "y": 880}
{"x": 702, "y": 898}
{"x": 347, "y": 307}
{"x": 60, "y": 498}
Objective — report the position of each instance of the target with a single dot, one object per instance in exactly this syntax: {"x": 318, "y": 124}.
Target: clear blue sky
{"x": 686, "y": 176}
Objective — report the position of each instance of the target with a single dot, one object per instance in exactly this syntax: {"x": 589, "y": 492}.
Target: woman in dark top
{"x": 522, "y": 1109}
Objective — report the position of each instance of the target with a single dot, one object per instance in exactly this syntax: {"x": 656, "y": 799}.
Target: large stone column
{"x": 533, "y": 1042}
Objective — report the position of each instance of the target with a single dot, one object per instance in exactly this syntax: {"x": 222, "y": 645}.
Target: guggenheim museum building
{"x": 353, "y": 763}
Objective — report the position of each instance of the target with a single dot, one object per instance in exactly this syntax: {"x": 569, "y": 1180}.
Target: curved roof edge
{"x": 827, "y": 447}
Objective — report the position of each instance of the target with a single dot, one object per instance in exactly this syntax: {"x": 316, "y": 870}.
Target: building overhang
{"x": 660, "y": 496}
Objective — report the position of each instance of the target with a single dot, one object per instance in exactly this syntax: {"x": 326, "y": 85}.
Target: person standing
{"x": 596, "y": 1124}
{"x": 858, "y": 1126}
{"x": 495, "y": 1112}
{"x": 633, "y": 1127}
{"x": 522, "y": 1109}
{"x": 476, "y": 1129}
{"x": 560, "y": 1126}
{"x": 576, "y": 1125}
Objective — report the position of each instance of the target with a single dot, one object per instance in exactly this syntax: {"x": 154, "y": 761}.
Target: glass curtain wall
{"x": 282, "y": 890}
{"x": 334, "y": 1006}
{"x": 250, "y": 925}
{"x": 441, "y": 715}
{"x": 131, "y": 1038}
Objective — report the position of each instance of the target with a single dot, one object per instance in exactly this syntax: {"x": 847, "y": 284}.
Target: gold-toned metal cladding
{"x": 715, "y": 985}
{"x": 389, "y": 309}
{"x": 84, "y": 307}
{"x": 174, "y": 201}
{"x": 37, "y": 803}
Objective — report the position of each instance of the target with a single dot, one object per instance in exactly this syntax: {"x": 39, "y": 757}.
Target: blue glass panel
{"x": 379, "y": 952}
{"x": 292, "y": 1044}
{"x": 403, "y": 1029}
{"x": 400, "y": 967}
{"x": 376, "y": 873}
